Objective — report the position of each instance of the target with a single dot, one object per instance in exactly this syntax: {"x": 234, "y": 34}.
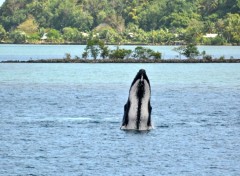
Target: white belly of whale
{"x": 133, "y": 111}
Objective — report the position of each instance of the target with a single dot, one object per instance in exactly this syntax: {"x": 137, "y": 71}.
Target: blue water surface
{"x": 64, "y": 119}
{"x": 25, "y": 52}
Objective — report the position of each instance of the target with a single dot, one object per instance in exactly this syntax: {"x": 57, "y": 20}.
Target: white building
{"x": 210, "y": 35}
{"x": 44, "y": 37}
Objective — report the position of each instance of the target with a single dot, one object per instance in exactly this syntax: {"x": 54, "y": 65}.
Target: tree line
{"x": 121, "y": 21}
{"x": 96, "y": 47}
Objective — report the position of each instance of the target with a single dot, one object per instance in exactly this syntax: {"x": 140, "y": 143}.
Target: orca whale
{"x": 137, "y": 110}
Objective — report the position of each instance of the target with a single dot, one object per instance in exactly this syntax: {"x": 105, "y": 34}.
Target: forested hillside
{"x": 121, "y": 21}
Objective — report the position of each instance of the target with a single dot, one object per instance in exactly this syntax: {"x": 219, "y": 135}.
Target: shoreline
{"x": 124, "y": 61}
{"x": 112, "y": 44}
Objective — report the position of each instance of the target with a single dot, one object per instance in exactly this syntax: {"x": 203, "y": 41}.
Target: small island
{"x": 97, "y": 52}
{"x": 123, "y": 61}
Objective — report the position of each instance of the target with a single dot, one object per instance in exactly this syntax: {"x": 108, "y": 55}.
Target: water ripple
{"x": 64, "y": 120}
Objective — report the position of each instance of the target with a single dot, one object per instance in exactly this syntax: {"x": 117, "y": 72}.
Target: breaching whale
{"x": 137, "y": 110}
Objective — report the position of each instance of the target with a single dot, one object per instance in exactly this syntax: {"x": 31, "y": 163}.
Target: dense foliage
{"x": 121, "y": 21}
{"x": 96, "y": 47}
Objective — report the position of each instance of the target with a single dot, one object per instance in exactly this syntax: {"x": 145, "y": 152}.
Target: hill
{"x": 121, "y": 21}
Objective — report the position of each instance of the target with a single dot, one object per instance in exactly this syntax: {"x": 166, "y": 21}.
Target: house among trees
{"x": 210, "y": 35}
{"x": 131, "y": 34}
{"x": 44, "y": 37}
{"x": 84, "y": 34}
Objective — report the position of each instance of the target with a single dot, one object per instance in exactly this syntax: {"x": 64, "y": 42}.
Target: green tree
{"x": 193, "y": 32}
{"x": 108, "y": 34}
{"x": 104, "y": 51}
{"x": 33, "y": 38}
{"x": 18, "y": 37}
{"x": 53, "y": 35}
{"x": 120, "y": 53}
{"x": 157, "y": 55}
{"x": 180, "y": 50}
{"x": 145, "y": 53}
{"x": 232, "y": 28}
{"x": 190, "y": 51}
{"x": 95, "y": 47}
{"x": 12, "y": 13}
{"x": 29, "y": 26}
{"x": 2, "y": 33}
{"x": 150, "y": 18}
{"x": 71, "y": 34}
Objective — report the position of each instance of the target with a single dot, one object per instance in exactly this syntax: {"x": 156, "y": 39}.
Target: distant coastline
{"x": 74, "y": 53}
{"x": 115, "y": 44}
{"x": 124, "y": 61}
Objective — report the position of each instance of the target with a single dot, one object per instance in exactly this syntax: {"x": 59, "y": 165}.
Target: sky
{"x": 1, "y": 2}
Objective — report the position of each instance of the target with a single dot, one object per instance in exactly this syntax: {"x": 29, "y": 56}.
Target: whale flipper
{"x": 125, "y": 115}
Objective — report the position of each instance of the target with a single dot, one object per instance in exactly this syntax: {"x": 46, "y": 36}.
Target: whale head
{"x": 141, "y": 77}
{"x": 137, "y": 110}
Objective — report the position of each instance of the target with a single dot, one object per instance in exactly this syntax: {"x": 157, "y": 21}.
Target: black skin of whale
{"x": 140, "y": 94}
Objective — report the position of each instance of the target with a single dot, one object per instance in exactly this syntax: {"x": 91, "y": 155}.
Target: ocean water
{"x": 64, "y": 119}
{"x": 27, "y": 52}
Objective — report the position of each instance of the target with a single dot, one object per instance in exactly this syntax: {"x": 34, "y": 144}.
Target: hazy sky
{"x": 1, "y": 1}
